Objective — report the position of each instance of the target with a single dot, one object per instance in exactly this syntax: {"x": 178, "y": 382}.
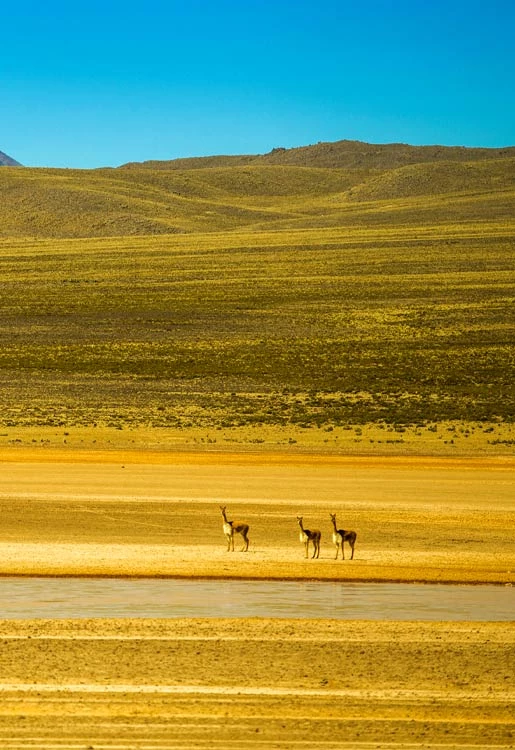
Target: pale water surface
{"x": 22, "y": 598}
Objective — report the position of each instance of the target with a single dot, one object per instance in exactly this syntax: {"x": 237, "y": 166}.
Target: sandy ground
{"x": 158, "y": 514}
{"x": 256, "y": 683}
{"x": 261, "y": 683}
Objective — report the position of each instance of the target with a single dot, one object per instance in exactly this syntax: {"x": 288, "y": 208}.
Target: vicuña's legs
{"x": 351, "y": 538}
{"x": 244, "y": 532}
{"x": 316, "y": 544}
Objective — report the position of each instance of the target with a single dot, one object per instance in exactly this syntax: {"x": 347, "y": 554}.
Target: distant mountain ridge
{"x": 337, "y": 155}
{"x": 7, "y": 161}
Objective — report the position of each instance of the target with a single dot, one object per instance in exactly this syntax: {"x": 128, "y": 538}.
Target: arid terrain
{"x": 158, "y": 514}
{"x": 325, "y": 329}
{"x": 238, "y": 683}
{"x": 256, "y": 683}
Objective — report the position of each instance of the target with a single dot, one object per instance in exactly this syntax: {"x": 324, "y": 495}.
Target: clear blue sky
{"x": 103, "y": 82}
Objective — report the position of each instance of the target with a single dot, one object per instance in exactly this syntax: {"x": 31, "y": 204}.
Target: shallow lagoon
{"x": 43, "y": 597}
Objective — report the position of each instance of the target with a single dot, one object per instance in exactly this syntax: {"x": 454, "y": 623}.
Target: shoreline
{"x": 256, "y": 578}
{"x": 149, "y": 562}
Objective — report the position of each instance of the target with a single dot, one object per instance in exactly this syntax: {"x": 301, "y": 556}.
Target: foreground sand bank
{"x": 265, "y": 683}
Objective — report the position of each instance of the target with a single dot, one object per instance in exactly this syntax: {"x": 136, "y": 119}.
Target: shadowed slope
{"x": 7, "y": 161}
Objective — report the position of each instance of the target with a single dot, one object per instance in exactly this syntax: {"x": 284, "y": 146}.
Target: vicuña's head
{"x": 299, "y": 519}
{"x": 332, "y": 516}
{"x": 222, "y": 508}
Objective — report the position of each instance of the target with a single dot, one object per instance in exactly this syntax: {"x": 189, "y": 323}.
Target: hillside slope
{"x": 96, "y": 203}
{"x": 262, "y": 296}
{"x": 145, "y": 201}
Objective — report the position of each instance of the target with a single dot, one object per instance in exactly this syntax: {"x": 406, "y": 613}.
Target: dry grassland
{"x": 369, "y": 339}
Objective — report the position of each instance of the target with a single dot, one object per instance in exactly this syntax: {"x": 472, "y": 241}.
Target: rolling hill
{"x": 253, "y": 294}
{"x": 284, "y": 189}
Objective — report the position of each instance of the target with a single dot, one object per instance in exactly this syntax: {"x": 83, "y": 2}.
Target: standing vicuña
{"x": 235, "y": 526}
{"x": 340, "y": 536}
{"x": 306, "y": 536}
